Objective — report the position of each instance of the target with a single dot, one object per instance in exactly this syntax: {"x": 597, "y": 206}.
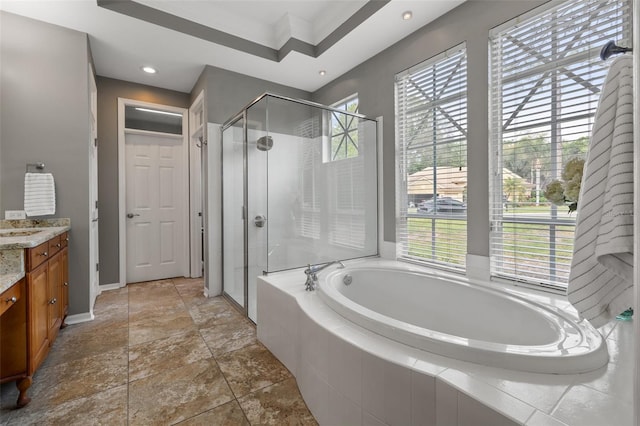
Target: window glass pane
{"x": 152, "y": 120}
{"x": 344, "y": 130}
{"x": 546, "y": 80}
{"x": 432, "y": 120}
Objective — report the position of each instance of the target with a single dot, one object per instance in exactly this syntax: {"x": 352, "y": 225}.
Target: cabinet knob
{"x": 53, "y": 301}
{"x": 66, "y": 284}
{"x": 44, "y": 253}
{"x": 12, "y": 299}
{"x": 66, "y": 239}
{"x": 58, "y": 245}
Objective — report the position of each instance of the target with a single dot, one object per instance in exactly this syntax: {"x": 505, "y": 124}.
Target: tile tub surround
{"x": 182, "y": 371}
{"x": 347, "y": 374}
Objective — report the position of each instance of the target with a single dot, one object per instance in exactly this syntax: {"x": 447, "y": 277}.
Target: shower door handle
{"x": 259, "y": 221}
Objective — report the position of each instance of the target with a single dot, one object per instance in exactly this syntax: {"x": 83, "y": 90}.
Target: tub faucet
{"x": 312, "y": 271}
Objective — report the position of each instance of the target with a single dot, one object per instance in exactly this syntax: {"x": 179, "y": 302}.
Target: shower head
{"x": 265, "y": 143}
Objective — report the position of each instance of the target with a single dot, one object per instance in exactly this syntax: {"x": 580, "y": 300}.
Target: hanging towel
{"x": 39, "y": 194}
{"x": 601, "y": 277}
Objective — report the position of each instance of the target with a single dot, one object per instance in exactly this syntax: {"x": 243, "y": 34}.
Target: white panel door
{"x": 154, "y": 207}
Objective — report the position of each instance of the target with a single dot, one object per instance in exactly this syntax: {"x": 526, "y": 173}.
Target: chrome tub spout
{"x": 312, "y": 271}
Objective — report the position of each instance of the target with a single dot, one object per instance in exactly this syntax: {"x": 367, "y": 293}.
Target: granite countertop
{"x": 11, "y": 268}
{"x": 15, "y": 236}
{"x": 21, "y": 238}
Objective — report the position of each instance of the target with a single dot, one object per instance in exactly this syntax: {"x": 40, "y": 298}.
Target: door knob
{"x": 259, "y": 221}
{"x": 132, "y": 215}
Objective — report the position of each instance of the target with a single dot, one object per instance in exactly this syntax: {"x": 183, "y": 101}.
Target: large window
{"x": 344, "y": 130}
{"x": 431, "y": 134}
{"x": 546, "y": 76}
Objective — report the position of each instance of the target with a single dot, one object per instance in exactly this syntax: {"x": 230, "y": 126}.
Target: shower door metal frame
{"x": 245, "y": 199}
{"x": 230, "y": 122}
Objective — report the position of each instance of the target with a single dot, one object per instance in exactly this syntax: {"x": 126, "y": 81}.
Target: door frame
{"x": 122, "y": 186}
{"x": 94, "y": 254}
{"x": 197, "y": 143}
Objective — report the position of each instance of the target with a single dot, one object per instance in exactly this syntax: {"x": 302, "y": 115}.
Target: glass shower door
{"x": 288, "y": 198}
{"x": 257, "y": 161}
{"x": 259, "y": 145}
{"x": 244, "y": 197}
{"x": 233, "y": 214}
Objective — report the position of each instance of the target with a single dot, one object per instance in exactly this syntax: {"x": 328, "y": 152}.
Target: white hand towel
{"x": 601, "y": 277}
{"x": 39, "y": 194}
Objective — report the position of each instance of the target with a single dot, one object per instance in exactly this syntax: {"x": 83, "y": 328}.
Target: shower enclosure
{"x": 299, "y": 187}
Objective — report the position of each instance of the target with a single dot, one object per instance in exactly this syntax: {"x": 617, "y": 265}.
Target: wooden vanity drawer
{"x": 37, "y": 255}
{"x": 64, "y": 239}
{"x": 54, "y": 245}
{"x": 10, "y": 297}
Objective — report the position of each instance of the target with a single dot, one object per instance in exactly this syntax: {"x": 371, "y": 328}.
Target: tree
{"x": 513, "y": 188}
{"x": 575, "y": 149}
{"x": 520, "y": 155}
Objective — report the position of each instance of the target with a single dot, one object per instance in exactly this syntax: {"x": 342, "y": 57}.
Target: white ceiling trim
{"x": 121, "y": 45}
{"x": 160, "y": 17}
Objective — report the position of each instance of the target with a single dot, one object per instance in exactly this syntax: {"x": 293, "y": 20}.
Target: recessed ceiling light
{"x": 407, "y": 15}
{"x": 322, "y": 72}
{"x": 149, "y": 70}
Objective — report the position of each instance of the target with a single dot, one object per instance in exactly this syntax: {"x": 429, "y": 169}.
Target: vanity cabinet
{"x": 13, "y": 339}
{"x": 13, "y": 332}
{"x": 32, "y": 311}
{"x": 47, "y": 289}
{"x": 64, "y": 284}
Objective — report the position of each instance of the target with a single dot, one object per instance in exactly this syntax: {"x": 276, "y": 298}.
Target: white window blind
{"x": 431, "y": 135}
{"x": 308, "y": 218}
{"x": 546, "y": 77}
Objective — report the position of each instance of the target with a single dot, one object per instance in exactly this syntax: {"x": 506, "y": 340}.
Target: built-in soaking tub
{"x": 463, "y": 320}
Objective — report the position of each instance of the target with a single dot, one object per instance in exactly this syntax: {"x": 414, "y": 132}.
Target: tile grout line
{"x": 188, "y": 295}
{"x": 224, "y": 377}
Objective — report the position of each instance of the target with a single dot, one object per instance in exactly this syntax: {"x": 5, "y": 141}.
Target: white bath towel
{"x": 601, "y": 277}
{"x": 39, "y": 194}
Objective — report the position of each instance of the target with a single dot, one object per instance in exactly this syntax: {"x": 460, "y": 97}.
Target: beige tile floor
{"x": 159, "y": 353}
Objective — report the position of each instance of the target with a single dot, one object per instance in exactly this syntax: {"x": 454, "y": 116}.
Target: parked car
{"x": 443, "y": 205}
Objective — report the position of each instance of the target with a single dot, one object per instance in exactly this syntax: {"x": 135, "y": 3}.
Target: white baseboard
{"x": 210, "y": 293}
{"x": 107, "y": 287}
{"x": 78, "y": 318}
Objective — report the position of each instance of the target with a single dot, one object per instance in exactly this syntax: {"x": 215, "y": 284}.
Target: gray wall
{"x": 227, "y": 92}
{"x": 45, "y": 117}
{"x": 109, "y": 90}
{"x": 374, "y": 82}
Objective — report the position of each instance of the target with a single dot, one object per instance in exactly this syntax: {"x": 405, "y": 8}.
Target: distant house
{"x": 452, "y": 182}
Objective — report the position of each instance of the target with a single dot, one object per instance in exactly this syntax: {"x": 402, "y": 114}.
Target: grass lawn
{"x": 540, "y": 251}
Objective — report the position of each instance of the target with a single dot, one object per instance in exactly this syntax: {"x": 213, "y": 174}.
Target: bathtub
{"x": 468, "y": 321}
